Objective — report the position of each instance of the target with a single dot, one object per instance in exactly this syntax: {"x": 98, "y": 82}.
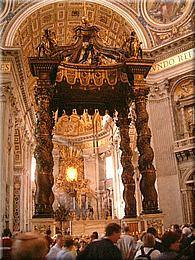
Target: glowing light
{"x": 33, "y": 167}
{"x": 71, "y": 174}
{"x": 109, "y": 168}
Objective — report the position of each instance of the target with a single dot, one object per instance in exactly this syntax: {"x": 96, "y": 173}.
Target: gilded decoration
{"x": 17, "y": 149}
{"x": 16, "y": 202}
{"x": 69, "y": 158}
{"x": 76, "y": 125}
{"x": 62, "y": 18}
{"x": 71, "y": 188}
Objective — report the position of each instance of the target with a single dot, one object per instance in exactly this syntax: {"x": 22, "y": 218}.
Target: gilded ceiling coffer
{"x": 146, "y": 154}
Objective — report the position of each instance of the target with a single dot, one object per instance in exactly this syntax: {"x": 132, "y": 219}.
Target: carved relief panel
{"x": 183, "y": 102}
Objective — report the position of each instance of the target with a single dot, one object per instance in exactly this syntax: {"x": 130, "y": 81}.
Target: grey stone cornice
{"x": 175, "y": 47}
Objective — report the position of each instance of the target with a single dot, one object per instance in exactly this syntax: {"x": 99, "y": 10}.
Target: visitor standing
{"x": 127, "y": 244}
{"x": 56, "y": 248}
{"x": 104, "y": 249}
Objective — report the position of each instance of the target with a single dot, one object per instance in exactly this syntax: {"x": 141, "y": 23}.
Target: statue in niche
{"x": 83, "y": 205}
{"x": 82, "y": 196}
{"x": 107, "y": 204}
{"x": 90, "y": 212}
{"x": 77, "y": 209}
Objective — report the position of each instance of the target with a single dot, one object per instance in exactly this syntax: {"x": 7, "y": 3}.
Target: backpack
{"x": 144, "y": 256}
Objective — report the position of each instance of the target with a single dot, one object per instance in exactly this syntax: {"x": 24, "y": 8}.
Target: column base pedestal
{"x": 42, "y": 224}
{"x": 143, "y": 222}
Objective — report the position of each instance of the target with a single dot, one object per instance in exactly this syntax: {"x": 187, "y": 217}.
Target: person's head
{"x": 29, "y": 246}
{"x": 175, "y": 227}
{"x": 142, "y": 235}
{"x": 6, "y": 233}
{"x": 170, "y": 240}
{"x": 60, "y": 240}
{"x": 148, "y": 240}
{"x": 186, "y": 231}
{"x": 83, "y": 244}
{"x": 113, "y": 232}
{"x": 68, "y": 242}
{"x": 48, "y": 232}
{"x": 126, "y": 229}
{"x": 192, "y": 227}
{"x": 94, "y": 235}
{"x": 152, "y": 231}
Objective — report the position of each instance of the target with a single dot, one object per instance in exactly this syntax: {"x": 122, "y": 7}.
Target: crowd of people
{"x": 177, "y": 242}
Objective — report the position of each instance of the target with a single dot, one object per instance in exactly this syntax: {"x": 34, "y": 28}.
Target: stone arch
{"x": 187, "y": 174}
{"x": 9, "y": 33}
{"x": 179, "y": 81}
{"x": 187, "y": 184}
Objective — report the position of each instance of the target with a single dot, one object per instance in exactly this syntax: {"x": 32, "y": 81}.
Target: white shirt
{"x": 65, "y": 254}
{"x": 125, "y": 244}
{"x": 153, "y": 255}
{"x": 53, "y": 252}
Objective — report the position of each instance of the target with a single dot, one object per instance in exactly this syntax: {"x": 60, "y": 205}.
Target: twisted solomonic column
{"x": 45, "y": 69}
{"x": 44, "y": 197}
{"x": 128, "y": 169}
{"x": 146, "y": 154}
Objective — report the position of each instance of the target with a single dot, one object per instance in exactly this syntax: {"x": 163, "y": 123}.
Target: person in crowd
{"x": 127, "y": 244}
{"x": 83, "y": 244}
{"x": 48, "y": 238}
{"x": 104, "y": 249}
{"x": 171, "y": 243}
{"x": 56, "y": 248}
{"x": 187, "y": 242}
{"x": 175, "y": 228}
{"x": 29, "y": 246}
{"x": 148, "y": 247}
{"x": 94, "y": 236}
{"x": 7, "y": 232}
{"x": 67, "y": 253}
{"x": 158, "y": 243}
{"x": 140, "y": 243}
{"x": 6, "y": 243}
{"x": 77, "y": 245}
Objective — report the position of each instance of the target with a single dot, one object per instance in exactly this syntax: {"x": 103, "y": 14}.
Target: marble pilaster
{"x": 3, "y": 101}
{"x": 161, "y": 121}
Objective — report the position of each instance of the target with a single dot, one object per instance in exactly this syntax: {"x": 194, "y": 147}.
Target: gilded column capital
{"x": 140, "y": 86}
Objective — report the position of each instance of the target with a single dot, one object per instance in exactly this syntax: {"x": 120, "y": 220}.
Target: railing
{"x": 184, "y": 144}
